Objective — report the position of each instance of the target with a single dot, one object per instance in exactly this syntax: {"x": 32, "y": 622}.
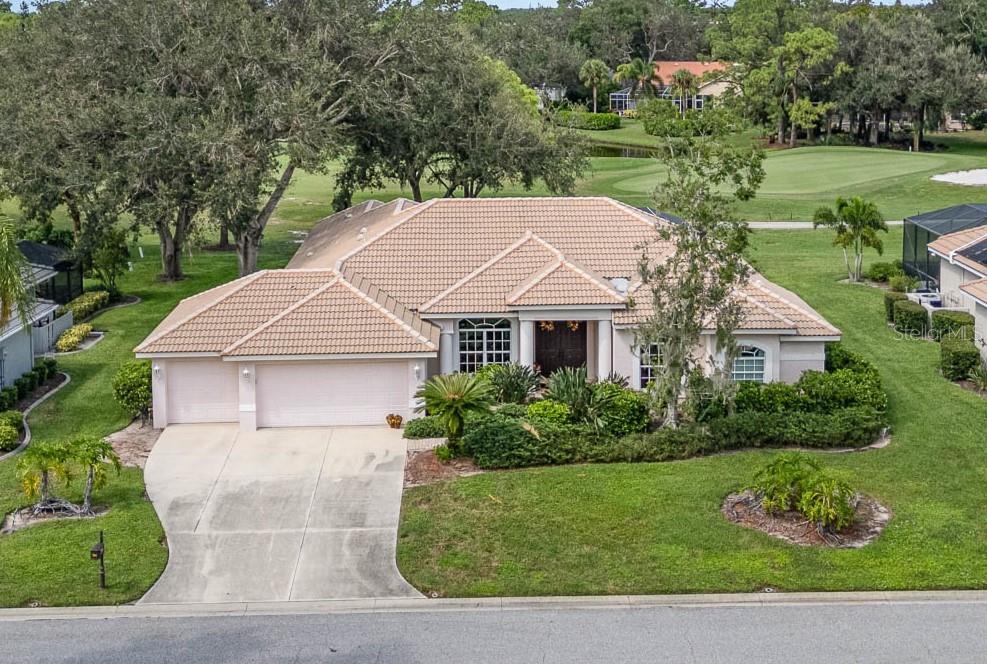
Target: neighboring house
{"x": 962, "y": 262}
{"x": 381, "y": 296}
{"x": 923, "y": 230}
{"x": 710, "y": 87}
{"x": 549, "y": 94}
{"x": 66, "y": 283}
{"x": 20, "y": 344}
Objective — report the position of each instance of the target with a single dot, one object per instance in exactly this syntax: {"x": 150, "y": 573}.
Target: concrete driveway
{"x": 279, "y": 514}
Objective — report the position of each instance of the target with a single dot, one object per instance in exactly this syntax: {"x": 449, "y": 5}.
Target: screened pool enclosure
{"x": 922, "y": 229}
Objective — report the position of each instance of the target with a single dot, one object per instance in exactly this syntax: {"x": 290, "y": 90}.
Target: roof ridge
{"x": 768, "y": 310}
{"x": 794, "y": 305}
{"x": 280, "y": 316}
{"x": 389, "y": 314}
{"x": 247, "y": 280}
{"x": 520, "y": 291}
{"x": 565, "y": 262}
{"x": 499, "y": 256}
{"x": 409, "y": 214}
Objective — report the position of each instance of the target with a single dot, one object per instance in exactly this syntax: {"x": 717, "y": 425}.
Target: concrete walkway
{"x": 279, "y": 514}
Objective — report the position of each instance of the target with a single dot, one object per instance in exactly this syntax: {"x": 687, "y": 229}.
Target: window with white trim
{"x": 748, "y": 366}
{"x": 651, "y": 363}
{"x": 483, "y": 341}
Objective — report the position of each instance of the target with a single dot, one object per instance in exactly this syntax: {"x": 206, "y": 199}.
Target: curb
{"x": 495, "y": 604}
{"x": 27, "y": 411}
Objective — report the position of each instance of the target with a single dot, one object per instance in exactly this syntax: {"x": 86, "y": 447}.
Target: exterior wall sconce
{"x": 246, "y": 374}
{"x": 157, "y": 370}
{"x": 418, "y": 371}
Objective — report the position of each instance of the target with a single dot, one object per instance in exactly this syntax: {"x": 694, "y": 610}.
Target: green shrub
{"x": 978, "y": 376}
{"x": 547, "y": 410}
{"x": 621, "y": 411}
{"x": 902, "y": 283}
{"x": 827, "y": 501}
{"x": 87, "y": 304}
{"x": 14, "y": 418}
{"x": 910, "y": 317}
{"x": 41, "y": 369}
{"x": 569, "y": 386}
{"x": 683, "y": 442}
{"x": 424, "y": 427}
{"x": 132, "y": 388}
{"x": 9, "y": 397}
{"x": 660, "y": 117}
{"x": 706, "y": 398}
{"x": 847, "y": 427}
{"x": 516, "y": 410}
{"x": 586, "y": 120}
{"x": 10, "y": 437}
{"x": 767, "y": 398}
{"x": 884, "y": 271}
{"x": 23, "y": 387}
{"x": 503, "y": 442}
{"x": 890, "y": 298}
{"x": 780, "y": 482}
{"x": 839, "y": 356}
{"x": 31, "y": 379}
{"x": 513, "y": 383}
{"x": 825, "y": 392}
{"x": 957, "y": 358}
{"x": 444, "y": 453}
{"x": 52, "y": 365}
{"x": 950, "y": 324}
{"x": 70, "y": 339}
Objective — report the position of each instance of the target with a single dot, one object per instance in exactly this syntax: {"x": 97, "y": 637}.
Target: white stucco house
{"x": 381, "y": 296}
{"x": 963, "y": 276}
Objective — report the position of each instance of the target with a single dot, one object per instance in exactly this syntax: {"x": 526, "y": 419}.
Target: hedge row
{"x": 591, "y": 121}
{"x": 503, "y": 442}
{"x": 88, "y": 303}
{"x": 957, "y": 358}
{"x": 70, "y": 339}
{"x": 951, "y": 324}
{"x": 910, "y": 317}
{"x": 890, "y": 298}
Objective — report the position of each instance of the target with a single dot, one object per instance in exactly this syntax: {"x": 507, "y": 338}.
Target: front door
{"x": 559, "y": 344}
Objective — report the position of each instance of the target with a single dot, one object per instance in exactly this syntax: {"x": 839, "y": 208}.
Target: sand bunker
{"x": 974, "y": 178}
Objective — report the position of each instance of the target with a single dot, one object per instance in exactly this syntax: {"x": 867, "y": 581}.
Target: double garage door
{"x": 289, "y": 393}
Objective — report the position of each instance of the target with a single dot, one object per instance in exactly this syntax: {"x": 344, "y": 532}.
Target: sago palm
{"x": 857, "y": 223}
{"x": 593, "y": 74}
{"x": 452, "y": 397}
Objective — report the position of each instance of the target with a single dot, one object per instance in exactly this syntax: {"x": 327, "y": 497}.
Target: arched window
{"x": 483, "y": 341}
{"x": 651, "y": 363}
{"x": 748, "y": 366}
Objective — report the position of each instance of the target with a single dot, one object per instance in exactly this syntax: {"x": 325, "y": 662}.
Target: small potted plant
{"x": 394, "y": 421}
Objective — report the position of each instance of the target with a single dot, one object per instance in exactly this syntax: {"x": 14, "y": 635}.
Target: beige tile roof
{"x": 251, "y": 315}
{"x": 766, "y": 306}
{"x": 361, "y": 280}
{"x": 438, "y": 243}
{"x": 944, "y": 244}
{"x": 976, "y": 289}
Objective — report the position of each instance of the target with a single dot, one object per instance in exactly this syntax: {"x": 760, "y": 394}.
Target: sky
{"x": 524, "y": 4}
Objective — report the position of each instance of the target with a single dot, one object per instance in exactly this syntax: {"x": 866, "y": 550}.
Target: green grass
{"x": 656, "y": 528}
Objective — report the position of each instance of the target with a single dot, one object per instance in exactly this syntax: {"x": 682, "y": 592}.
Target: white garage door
{"x": 202, "y": 391}
{"x": 330, "y": 393}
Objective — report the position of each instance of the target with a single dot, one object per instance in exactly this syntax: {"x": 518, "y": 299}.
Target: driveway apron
{"x": 278, "y": 514}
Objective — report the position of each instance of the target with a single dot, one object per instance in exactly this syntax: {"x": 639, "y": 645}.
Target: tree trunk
{"x": 87, "y": 494}
{"x": 171, "y": 267}
{"x": 416, "y": 188}
{"x": 829, "y": 127}
{"x": 875, "y": 126}
{"x": 921, "y": 128}
{"x": 781, "y": 124}
{"x": 74, "y": 215}
{"x": 846, "y": 260}
{"x": 594, "y": 99}
{"x": 248, "y": 239}
{"x": 794, "y": 131}
{"x": 43, "y": 489}
{"x": 224, "y": 237}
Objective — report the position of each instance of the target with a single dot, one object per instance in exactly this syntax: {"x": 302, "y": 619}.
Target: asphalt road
{"x": 951, "y": 632}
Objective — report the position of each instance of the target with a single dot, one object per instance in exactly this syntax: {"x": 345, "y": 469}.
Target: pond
{"x": 603, "y": 150}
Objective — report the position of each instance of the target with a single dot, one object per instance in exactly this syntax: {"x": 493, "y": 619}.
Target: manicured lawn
{"x": 656, "y": 528}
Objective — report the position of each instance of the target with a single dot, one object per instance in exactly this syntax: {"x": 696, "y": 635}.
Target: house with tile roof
{"x": 710, "y": 75}
{"x": 383, "y": 295}
{"x": 962, "y": 265}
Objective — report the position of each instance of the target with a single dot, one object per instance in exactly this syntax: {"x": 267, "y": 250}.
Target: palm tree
{"x": 640, "y": 75}
{"x": 16, "y": 292}
{"x": 857, "y": 223}
{"x": 95, "y": 455}
{"x": 685, "y": 84}
{"x": 37, "y": 467}
{"x": 593, "y": 74}
{"x": 451, "y": 397}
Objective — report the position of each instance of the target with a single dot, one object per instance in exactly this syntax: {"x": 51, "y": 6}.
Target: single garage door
{"x": 330, "y": 393}
{"x": 202, "y": 391}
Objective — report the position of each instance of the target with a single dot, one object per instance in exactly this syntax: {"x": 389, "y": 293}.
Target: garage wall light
{"x": 246, "y": 374}
{"x": 157, "y": 370}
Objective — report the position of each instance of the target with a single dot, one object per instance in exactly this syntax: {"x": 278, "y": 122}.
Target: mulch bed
{"x": 52, "y": 383}
{"x": 745, "y": 509}
{"x": 970, "y": 387}
{"x": 423, "y": 468}
{"x": 134, "y": 443}
{"x": 25, "y": 518}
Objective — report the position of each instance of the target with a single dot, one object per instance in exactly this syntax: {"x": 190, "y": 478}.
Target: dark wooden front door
{"x": 559, "y": 347}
